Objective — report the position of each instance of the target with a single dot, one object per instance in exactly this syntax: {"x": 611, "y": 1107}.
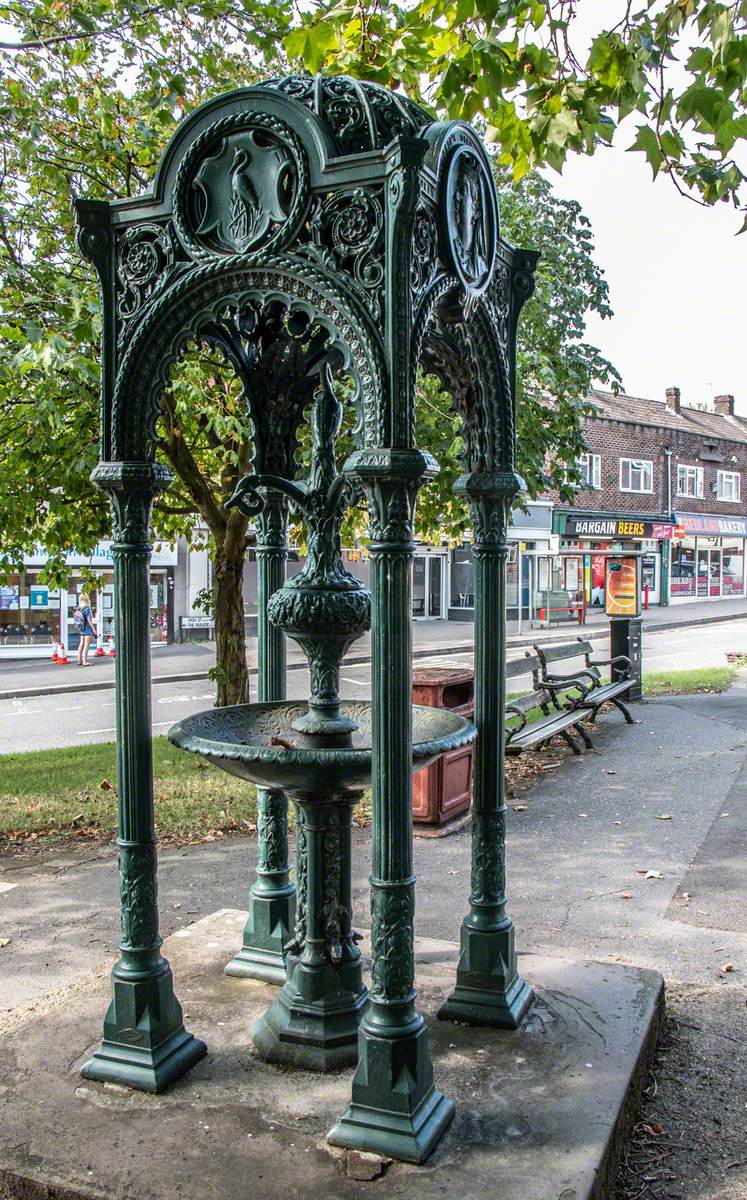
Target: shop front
{"x": 708, "y": 554}
{"x": 529, "y": 533}
{"x": 34, "y": 616}
{"x": 595, "y": 535}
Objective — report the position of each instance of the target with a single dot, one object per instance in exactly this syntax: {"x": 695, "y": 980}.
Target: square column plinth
{"x": 540, "y": 1111}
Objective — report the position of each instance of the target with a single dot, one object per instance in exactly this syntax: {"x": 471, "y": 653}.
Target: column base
{"x": 145, "y": 1044}
{"x": 395, "y": 1111}
{"x": 318, "y": 1034}
{"x": 489, "y": 990}
{"x": 268, "y": 928}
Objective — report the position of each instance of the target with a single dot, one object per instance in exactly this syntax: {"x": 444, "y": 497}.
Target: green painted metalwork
{"x": 317, "y": 231}
{"x": 272, "y": 899}
{"x": 145, "y": 1043}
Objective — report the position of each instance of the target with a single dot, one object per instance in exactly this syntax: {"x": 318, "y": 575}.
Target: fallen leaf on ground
{"x": 652, "y": 875}
{"x": 626, "y": 895}
{"x": 728, "y": 967}
{"x": 106, "y": 786}
{"x": 612, "y": 772}
{"x": 519, "y": 807}
{"x": 654, "y": 1128}
{"x": 664, "y": 817}
{"x": 617, "y": 822}
{"x": 4, "y": 942}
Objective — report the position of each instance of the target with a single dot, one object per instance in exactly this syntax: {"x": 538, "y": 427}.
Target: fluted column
{"x": 395, "y": 1107}
{"x": 272, "y": 899}
{"x": 145, "y": 1044}
{"x": 489, "y": 990}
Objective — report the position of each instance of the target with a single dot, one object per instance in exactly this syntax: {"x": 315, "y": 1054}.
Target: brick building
{"x": 666, "y": 480}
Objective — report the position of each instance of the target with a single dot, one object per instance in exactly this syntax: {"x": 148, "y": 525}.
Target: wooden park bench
{"x": 559, "y": 705}
{"x": 599, "y": 692}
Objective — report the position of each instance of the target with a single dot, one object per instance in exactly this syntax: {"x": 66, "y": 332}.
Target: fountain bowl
{"x": 257, "y": 742}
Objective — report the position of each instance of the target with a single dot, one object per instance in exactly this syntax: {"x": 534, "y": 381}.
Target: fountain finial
{"x": 324, "y": 608}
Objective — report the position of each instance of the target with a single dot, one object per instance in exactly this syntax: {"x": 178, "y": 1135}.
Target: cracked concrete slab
{"x": 541, "y": 1113}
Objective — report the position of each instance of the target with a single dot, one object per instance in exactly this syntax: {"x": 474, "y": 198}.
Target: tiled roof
{"x": 637, "y": 411}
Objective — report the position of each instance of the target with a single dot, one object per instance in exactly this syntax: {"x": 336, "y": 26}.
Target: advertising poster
{"x": 9, "y": 598}
{"x": 622, "y": 598}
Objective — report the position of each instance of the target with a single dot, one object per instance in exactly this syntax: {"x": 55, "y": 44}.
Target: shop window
{"x": 462, "y": 594}
{"x": 728, "y": 485}
{"x": 682, "y": 570}
{"x": 636, "y": 475}
{"x": 732, "y": 577}
{"x": 29, "y": 612}
{"x": 590, "y": 469}
{"x": 690, "y": 481}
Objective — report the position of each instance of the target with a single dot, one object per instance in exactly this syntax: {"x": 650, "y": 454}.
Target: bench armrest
{"x": 613, "y": 662}
{"x": 573, "y": 678}
{"x": 515, "y": 712}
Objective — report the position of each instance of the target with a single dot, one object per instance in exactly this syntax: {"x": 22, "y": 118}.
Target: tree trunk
{"x": 232, "y": 675}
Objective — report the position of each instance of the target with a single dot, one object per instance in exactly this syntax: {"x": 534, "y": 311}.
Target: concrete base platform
{"x": 541, "y": 1113}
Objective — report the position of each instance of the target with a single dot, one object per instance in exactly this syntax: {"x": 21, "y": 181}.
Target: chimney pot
{"x": 673, "y": 399}
{"x": 724, "y": 405}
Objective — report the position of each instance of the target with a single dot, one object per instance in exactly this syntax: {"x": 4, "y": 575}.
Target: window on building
{"x": 636, "y": 475}
{"x": 590, "y": 468}
{"x": 728, "y": 485}
{"x": 690, "y": 481}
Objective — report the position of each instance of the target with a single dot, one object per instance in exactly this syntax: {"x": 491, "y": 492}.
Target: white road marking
{"x": 357, "y": 682}
{"x": 111, "y": 728}
{"x": 21, "y": 712}
{"x": 7, "y": 887}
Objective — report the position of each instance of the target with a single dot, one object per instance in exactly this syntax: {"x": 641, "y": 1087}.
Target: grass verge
{"x": 48, "y": 796}
{"x": 55, "y": 793}
{"x": 682, "y": 683}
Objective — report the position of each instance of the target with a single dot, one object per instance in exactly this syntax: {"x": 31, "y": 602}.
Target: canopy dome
{"x": 359, "y": 115}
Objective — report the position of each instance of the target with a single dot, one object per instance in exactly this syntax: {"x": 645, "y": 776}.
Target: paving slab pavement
{"x": 541, "y": 1114}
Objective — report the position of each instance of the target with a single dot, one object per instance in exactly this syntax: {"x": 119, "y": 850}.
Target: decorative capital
{"x": 150, "y": 477}
{"x": 490, "y": 497}
{"x": 386, "y": 463}
{"x": 272, "y": 525}
{"x": 132, "y": 487}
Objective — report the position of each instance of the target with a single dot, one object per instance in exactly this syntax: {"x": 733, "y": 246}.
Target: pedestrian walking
{"x": 83, "y": 620}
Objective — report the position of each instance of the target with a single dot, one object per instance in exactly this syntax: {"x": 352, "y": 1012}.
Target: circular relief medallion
{"x": 469, "y": 217}
{"x": 241, "y": 187}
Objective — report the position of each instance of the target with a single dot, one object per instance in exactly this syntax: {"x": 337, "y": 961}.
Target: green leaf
{"x": 647, "y": 141}
{"x": 311, "y": 44}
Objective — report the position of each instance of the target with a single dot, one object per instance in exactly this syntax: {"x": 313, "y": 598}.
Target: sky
{"x": 677, "y": 275}
{"x": 677, "y": 271}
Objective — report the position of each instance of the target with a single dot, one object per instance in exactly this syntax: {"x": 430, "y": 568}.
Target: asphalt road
{"x": 45, "y": 722}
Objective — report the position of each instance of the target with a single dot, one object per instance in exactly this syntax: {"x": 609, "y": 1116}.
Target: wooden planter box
{"x": 442, "y": 793}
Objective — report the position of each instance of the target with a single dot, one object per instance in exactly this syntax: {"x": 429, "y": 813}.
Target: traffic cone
{"x": 99, "y": 651}
{"x": 62, "y": 659}
{"x": 110, "y": 648}
{"x": 55, "y": 651}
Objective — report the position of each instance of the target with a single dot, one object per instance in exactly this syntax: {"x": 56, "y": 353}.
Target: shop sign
{"x": 618, "y": 527}
{"x": 164, "y": 555}
{"x": 38, "y": 597}
{"x": 710, "y": 525}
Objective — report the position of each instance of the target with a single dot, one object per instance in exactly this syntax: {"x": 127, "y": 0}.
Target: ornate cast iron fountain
{"x": 303, "y": 227}
{"x": 321, "y": 754}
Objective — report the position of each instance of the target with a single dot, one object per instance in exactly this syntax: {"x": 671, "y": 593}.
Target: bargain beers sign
{"x": 618, "y": 527}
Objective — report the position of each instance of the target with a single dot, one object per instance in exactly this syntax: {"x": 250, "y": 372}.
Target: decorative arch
{"x": 469, "y": 357}
{"x": 192, "y": 310}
